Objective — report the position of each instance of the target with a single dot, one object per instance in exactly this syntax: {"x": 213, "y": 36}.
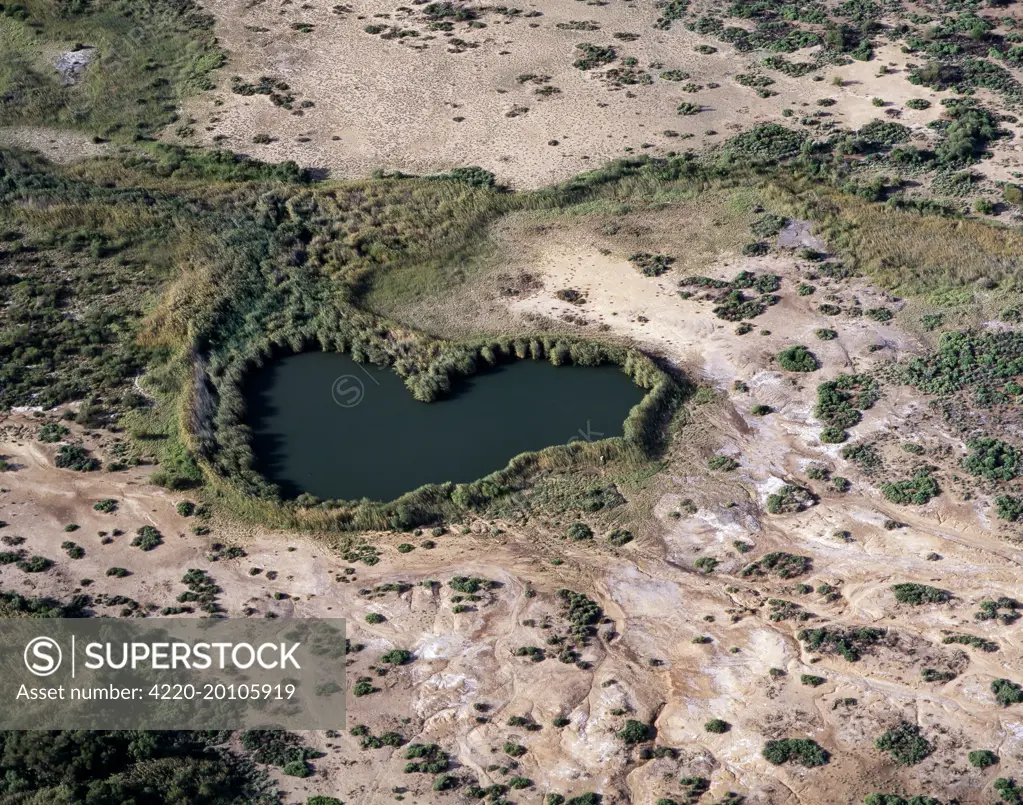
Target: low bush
{"x": 798, "y": 359}
{"x": 635, "y": 732}
{"x": 579, "y": 531}
{"x": 992, "y": 459}
{"x": 803, "y": 751}
{"x": 619, "y": 537}
{"x": 905, "y": 744}
{"x": 917, "y": 490}
{"x": 917, "y": 594}
{"x": 722, "y": 463}
{"x": 789, "y": 499}
{"x": 147, "y": 538}
{"x": 1006, "y": 692}
{"x": 982, "y": 758}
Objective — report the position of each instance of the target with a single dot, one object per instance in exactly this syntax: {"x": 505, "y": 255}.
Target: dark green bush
{"x": 74, "y": 457}
{"x": 798, "y": 359}
{"x": 905, "y": 744}
{"x": 804, "y": 751}
{"x": 635, "y": 732}
{"x": 579, "y": 531}
{"x": 917, "y": 490}
{"x": 992, "y": 459}
{"x": 722, "y": 463}
{"x": 982, "y": 758}
{"x": 619, "y": 537}
{"x": 1007, "y": 692}
{"x": 147, "y": 538}
{"x": 789, "y": 499}
{"x": 917, "y": 594}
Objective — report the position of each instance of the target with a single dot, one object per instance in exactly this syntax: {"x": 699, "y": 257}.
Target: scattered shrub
{"x": 917, "y": 594}
{"x": 804, "y": 751}
{"x": 982, "y": 758}
{"x": 798, "y": 359}
{"x": 147, "y": 538}
{"x": 905, "y": 744}
{"x": 1006, "y": 692}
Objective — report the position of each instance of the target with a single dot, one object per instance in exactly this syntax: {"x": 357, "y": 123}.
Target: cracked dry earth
{"x": 641, "y": 662}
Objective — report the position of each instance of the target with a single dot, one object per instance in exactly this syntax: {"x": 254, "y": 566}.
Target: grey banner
{"x": 171, "y": 673}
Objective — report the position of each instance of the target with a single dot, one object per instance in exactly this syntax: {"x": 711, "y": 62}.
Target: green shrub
{"x": 916, "y": 491}
{"x": 397, "y": 656}
{"x": 895, "y": 799}
{"x": 73, "y": 457}
{"x": 73, "y": 550}
{"x": 619, "y": 537}
{"x": 147, "y": 538}
{"x": 651, "y": 265}
{"x": 34, "y": 564}
{"x": 905, "y": 744}
{"x": 1009, "y": 507}
{"x": 760, "y": 410}
{"x": 635, "y": 732}
{"x": 992, "y": 459}
{"x": 297, "y": 768}
{"x": 593, "y": 56}
{"x": 107, "y": 505}
{"x": 863, "y": 455}
{"x": 850, "y": 643}
{"x": 778, "y": 563}
{"x": 1006, "y": 692}
{"x": 722, "y": 463}
{"x": 840, "y": 401}
{"x": 768, "y": 225}
{"x": 374, "y": 618}
{"x": 812, "y": 681}
{"x": 469, "y": 585}
{"x": 790, "y": 499}
{"x": 717, "y": 726}
{"x": 687, "y": 108}
{"x": 798, "y": 359}
{"x": 917, "y": 594}
{"x": 186, "y": 508}
{"x": 804, "y": 751}
{"x": 1010, "y": 793}
{"x": 824, "y": 334}
{"x": 706, "y": 564}
{"x": 51, "y": 433}
{"x": 579, "y": 531}
{"x": 982, "y": 758}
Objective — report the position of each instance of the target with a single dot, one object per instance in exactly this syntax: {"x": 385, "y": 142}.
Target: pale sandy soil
{"x": 412, "y": 105}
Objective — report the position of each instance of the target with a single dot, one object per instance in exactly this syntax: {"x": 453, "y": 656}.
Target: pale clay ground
{"x": 648, "y": 588}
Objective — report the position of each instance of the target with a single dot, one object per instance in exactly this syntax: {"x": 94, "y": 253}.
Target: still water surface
{"x": 327, "y": 425}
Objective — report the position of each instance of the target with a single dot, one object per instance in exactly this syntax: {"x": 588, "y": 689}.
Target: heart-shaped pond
{"x": 338, "y": 429}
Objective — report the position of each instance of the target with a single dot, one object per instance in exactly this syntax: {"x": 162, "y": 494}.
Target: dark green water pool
{"x": 327, "y": 425}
